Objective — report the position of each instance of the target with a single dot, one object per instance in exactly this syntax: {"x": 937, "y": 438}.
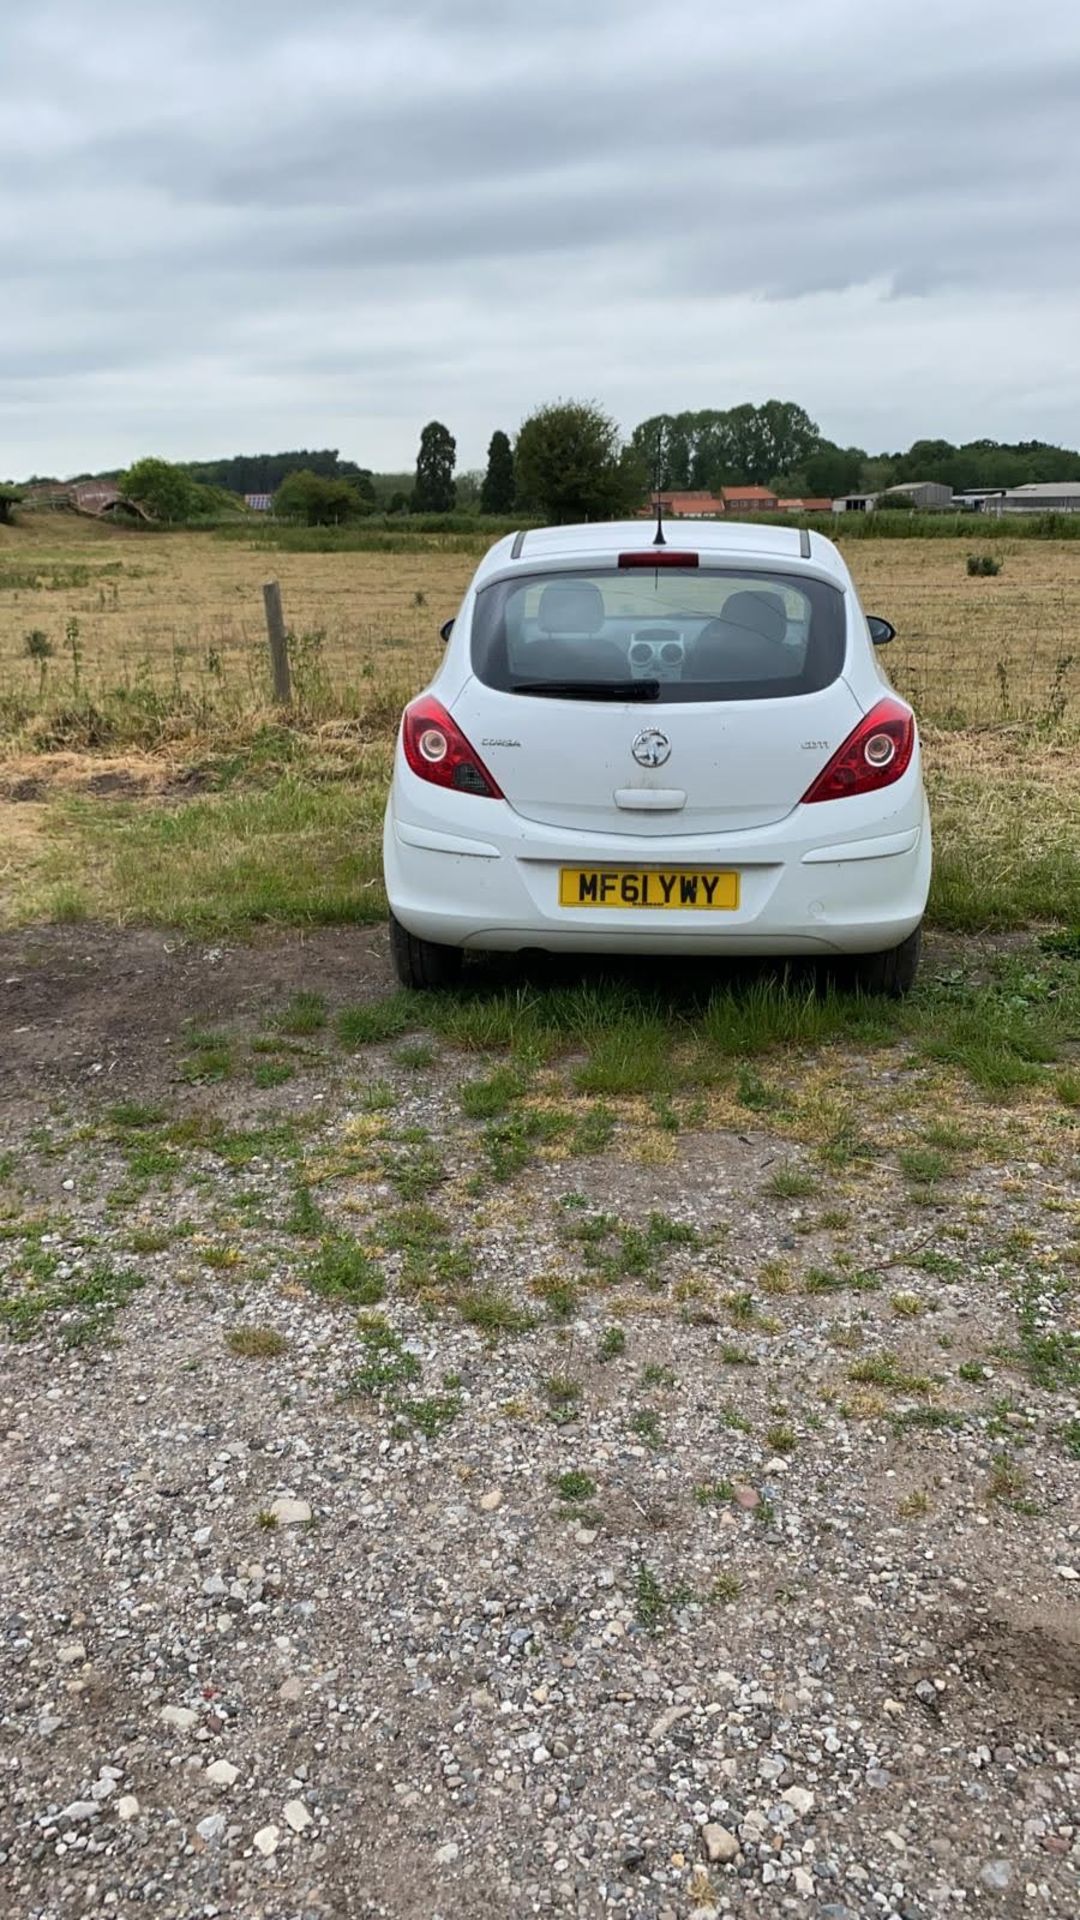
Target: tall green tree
{"x": 434, "y": 490}
{"x": 166, "y": 491}
{"x": 318, "y": 501}
{"x": 497, "y": 492}
{"x": 570, "y": 464}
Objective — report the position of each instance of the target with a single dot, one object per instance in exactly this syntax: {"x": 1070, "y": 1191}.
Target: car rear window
{"x": 670, "y": 634}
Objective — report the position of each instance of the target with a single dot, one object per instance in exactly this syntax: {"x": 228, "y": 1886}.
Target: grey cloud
{"x": 267, "y": 202}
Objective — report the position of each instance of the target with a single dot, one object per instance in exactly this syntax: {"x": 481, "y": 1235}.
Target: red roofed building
{"x": 684, "y": 506}
{"x": 804, "y": 506}
{"x": 749, "y": 500}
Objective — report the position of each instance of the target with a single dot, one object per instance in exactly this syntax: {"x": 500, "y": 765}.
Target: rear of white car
{"x": 685, "y": 748}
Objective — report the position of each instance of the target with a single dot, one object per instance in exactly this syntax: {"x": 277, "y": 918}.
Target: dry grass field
{"x": 185, "y": 609}
{"x": 152, "y": 779}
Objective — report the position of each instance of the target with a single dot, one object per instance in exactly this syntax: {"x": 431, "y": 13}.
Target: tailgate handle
{"x": 650, "y": 799}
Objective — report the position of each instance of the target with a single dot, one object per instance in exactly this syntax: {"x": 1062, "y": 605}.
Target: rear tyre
{"x": 422, "y": 964}
{"x": 891, "y": 974}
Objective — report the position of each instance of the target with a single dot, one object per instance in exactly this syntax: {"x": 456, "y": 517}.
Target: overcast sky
{"x": 239, "y": 225}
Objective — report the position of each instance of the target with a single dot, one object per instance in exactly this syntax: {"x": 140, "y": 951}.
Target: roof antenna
{"x": 658, "y": 481}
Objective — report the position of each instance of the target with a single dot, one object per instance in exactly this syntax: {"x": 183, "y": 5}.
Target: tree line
{"x": 569, "y": 461}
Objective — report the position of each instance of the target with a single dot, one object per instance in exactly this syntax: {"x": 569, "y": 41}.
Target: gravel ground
{"x": 317, "y": 1603}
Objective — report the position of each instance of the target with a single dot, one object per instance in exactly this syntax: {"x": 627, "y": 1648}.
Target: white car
{"x": 677, "y": 748}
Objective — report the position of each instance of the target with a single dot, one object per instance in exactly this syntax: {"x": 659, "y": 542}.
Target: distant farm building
{"x": 804, "y": 506}
{"x": 259, "y": 502}
{"x": 928, "y": 496}
{"x": 1039, "y": 496}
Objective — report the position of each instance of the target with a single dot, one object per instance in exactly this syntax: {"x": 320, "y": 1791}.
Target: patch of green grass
{"x": 646, "y": 1424}
{"x": 725, "y": 1589}
{"x": 416, "y": 1172}
{"x": 416, "y": 1055}
{"x": 654, "y": 1375}
{"x": 378, "y": 1020}
{"x": 929, "y": 1420}
{"x": 432, "y": 1415}
{"x": 344, "y": 1270}
{"x": 714, "y": 1493}
{"x": 1007, "y": 1483}
{"x": 612, "y": 1343}
{"x": 593, "y": 1131}
{"x": 208, "y": 1058}
{"x": 635, "y": 1056}
{"x": 290, "y": 851}
{"x": 1067, "y": 1088}
{"x": 575, "y": 1486}
{"x": 222, "y": 1259}
{"x": 733, "y": 1356}
{"x": 387, "y": 1365}
{"x": 884, "y": 1370}
{"x": 781, "y": 1439}
{"x": 754, "y": 1092}
{"x": 431, "y": 1258}
{"x": 971, "y": 1371}
{"x": 923, "y": 1165}
{"x": 493, "y": 1312}
{"x": 653, "y": 1601}
{"x": 256, "y": 1343}
{"x": 559, "y": 1295}
{"x": 304, "y": 1013}
{"x": 1050, "y": 1354}
{"x": 272, "y": 1073}
{"x": 907, "y": 1305}
{"x": 563, "y": 1394}
{"x": 789, "y": 1183}
{"x": 85, "y": 1303}
{"x": 509, "y": 1144}
{"x": 488, "y": 1099}
{"x": 305, "y": 1217}
{"x": 378, "y": 1097}
{"x": 147, "y": 1240}
{"x": 135, "y": 1116}
{"x": 828, "y": 1280}
{"x": 1070, "y": 1438}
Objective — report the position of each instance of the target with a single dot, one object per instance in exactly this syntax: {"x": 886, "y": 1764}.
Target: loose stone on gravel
{"x": 266, "y": 1840}
{"x": 221, "y": 1773}
{"x": 720, "y": 1843}
{"x": 290, "y": 1513}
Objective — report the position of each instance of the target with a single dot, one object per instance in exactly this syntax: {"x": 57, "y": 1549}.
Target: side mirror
{"x": 881, "y": 631}
{"x": 446, "y": 630}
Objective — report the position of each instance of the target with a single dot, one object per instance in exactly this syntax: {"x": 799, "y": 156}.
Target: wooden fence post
{"x": 279, "y": 642}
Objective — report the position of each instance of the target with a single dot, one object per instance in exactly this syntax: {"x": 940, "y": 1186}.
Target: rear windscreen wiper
{"x": 590, "y": 689}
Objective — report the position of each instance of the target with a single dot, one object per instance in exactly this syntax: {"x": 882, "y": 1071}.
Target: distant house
{"x": 259, "y": 502}
{"x": 804, "y": 506}
{"x": 749, "y": 500}
{"x": 855, "y": 503}
{"x": 688, "y": 504}
{"x": 1038, "y": 496}
{"x": 685, "y": 506}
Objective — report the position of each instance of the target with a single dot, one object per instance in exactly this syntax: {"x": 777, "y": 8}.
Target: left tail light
{"x": 437, "y": 750}
{"x": 877, "y": 753}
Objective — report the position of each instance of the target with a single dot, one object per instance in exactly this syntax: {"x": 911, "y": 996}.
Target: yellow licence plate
{"x": 704, "y": 889}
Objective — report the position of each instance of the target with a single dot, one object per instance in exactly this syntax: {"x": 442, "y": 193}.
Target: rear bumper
{"x": 812, "y": 885}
